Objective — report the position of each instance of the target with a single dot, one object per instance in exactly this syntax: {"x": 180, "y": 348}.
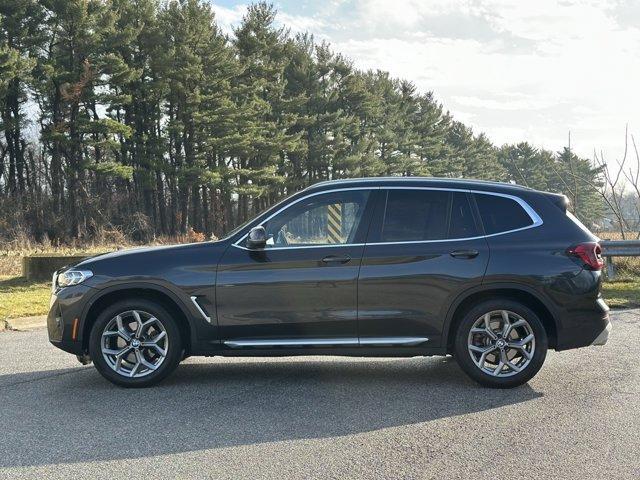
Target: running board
{"x": 329, "y": 342}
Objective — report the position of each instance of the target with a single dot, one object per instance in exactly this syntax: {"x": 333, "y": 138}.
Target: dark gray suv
{"x": 494, "y": 274}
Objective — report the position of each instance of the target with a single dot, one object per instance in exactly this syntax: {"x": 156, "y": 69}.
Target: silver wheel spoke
{"x": 483, "y": 357}
{"x": 519, "y": 323}
{"x": 521, "y": 349}
{"x": 155, "y": 339}
{"x": 122, "y": 351}
{"x": 134, "y": 369}
{"x": 490, "y": 351}
{"x": 487, "y": 326}
{"x": 506, "y": 328}
{"x": 523, "y": 342}
{"x": 139, "y": 324}
{"x": 158, "y": 349}
{"x": 120, "y": 357}
{"x": 146, "y": 363}
{"x": 134, "y": 359}
{"x": 475, "y": 348}
{"x": 144, "y": 325}
{"x": 513, "y": 367}
{"x": 121, "y": 330}
{"x": 496, "y": 371}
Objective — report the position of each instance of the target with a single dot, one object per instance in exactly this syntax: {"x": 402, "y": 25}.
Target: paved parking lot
{"x": 318, "y": 417}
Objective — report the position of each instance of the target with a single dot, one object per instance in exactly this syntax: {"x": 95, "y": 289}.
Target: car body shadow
{"x": 73, "y": 415}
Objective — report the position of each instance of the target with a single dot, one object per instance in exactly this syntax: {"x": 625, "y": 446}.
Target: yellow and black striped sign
{"x": 334, "y": 223}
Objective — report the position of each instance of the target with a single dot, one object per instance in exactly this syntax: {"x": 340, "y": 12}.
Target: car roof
{"x": 459, "y": 183}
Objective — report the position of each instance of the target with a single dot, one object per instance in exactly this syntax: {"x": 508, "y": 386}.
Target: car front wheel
{"x": 501, "y": 343}
{"x": 135, "y": 343}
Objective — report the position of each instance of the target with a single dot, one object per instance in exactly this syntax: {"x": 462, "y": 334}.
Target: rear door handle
{"x": 336, "y": 259}
{"x": 464, "y": 253}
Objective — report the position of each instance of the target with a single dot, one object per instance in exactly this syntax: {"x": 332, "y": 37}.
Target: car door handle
{"x": 336, "y": 259}
{"x": 464, "y": 253}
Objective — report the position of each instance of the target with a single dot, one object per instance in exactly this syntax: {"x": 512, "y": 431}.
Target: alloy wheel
{"x": 501, "y": 343}
{"x": 134, "y": 343}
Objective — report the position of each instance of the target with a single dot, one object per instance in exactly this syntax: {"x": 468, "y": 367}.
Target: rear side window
{"x": 413, "y": 215}
{"x": 418, "y": 215}
{"x": 501, "y": 214}
{"x": 462, "y": 223}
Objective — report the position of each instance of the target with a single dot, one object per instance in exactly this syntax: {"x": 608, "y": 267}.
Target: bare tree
{"x": 616, "y": 183}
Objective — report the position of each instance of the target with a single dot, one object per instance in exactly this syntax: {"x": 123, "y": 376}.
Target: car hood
{"x": 154, "y": 261}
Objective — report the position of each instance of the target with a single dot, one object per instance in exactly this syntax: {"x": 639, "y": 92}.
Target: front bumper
{"x": 604, "y": 335}
{"x": 63, "y": 322}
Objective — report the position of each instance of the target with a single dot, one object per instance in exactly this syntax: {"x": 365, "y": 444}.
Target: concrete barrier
{"x": 41, "y": 267}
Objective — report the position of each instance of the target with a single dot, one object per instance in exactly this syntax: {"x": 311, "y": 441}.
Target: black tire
{"x": 174, "y": 352}
{"x": 468, "y": 364}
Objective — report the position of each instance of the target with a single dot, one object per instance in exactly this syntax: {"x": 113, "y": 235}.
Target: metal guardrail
{"x": 618, "y": 248}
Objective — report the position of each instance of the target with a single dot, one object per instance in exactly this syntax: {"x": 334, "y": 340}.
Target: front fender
{"x": 178, "y": 297}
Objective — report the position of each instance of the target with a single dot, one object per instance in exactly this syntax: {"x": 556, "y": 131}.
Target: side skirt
{"x": 330, "y": 351}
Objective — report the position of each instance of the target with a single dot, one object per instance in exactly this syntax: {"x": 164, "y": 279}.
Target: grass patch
{"x": 623, "y": 293}
{"x": 20, "y": 298}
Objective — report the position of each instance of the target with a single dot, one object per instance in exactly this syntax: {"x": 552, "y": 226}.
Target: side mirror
{"x": 257, "y": 238}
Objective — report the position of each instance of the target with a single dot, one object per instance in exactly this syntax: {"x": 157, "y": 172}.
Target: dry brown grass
{"x": 617, "y": 235}
{"x": 626, "y": 267}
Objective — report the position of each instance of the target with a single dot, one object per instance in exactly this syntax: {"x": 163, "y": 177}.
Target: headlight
{"x": 73, "y": 277}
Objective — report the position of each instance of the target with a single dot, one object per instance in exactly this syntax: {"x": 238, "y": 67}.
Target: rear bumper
{"x": 585, "y": 327}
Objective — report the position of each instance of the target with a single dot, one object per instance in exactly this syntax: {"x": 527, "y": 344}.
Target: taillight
{"x": 590, "y": 253}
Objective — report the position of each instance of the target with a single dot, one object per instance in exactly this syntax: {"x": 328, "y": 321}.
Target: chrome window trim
{"x": 327, "y": 342}
{"x": 332, "y": 245}
{"x": 535, "y": 218}
{"x": 194, "y": 299}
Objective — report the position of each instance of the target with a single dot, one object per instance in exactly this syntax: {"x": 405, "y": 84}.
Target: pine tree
{"x": 20, "y": 37}
{"x": 259, "y": 91}
{"x": 526, "y": 165}
{"x": 152, "y": 121}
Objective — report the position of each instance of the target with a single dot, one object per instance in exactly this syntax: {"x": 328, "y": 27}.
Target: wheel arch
{"x": 519, "y": 293}
{"x": 147, "y": 291}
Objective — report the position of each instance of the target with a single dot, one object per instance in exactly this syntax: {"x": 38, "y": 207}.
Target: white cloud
{"x": 579, "y": 73}
{"x": 300, "y": 23}
{"x": 517, "y": 70}
{"x": 227, "y": 18}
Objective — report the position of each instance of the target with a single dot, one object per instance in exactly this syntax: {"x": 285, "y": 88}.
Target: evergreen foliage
{"x": 120, "y": 113}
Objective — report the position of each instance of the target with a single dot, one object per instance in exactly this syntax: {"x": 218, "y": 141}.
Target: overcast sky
{"x": 516, "y": 69}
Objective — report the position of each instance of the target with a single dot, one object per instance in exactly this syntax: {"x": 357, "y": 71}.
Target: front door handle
{"x": 464, "y": 253}
{"x": 336, "y": 259}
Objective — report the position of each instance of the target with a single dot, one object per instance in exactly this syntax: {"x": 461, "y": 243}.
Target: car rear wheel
{"x": 500, "y": 343}
{"x": 135, "y": 343}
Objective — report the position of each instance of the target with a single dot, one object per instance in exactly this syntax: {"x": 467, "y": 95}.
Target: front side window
{"x": 501, "y": 214}
{"x": 326, "y": 219}
{"x": 423, "y": 215}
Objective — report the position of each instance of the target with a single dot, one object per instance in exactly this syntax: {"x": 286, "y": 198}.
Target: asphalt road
{"x": 322, "y": 417}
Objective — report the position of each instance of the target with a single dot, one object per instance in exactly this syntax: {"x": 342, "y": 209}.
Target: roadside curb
{"x": 24, "y": 324}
